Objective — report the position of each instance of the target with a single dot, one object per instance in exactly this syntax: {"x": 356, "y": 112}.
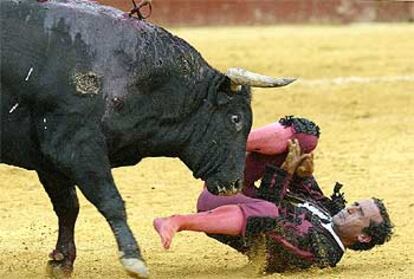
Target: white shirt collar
{"x": 323, "y": 216}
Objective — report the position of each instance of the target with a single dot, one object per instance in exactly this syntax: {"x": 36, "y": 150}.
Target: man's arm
{"x": 280, "y": 233}
{"x": 274, "y": 185}
{"x": 308, "y": 189}
{"x": 276, "y": 181}
{"x": 305, "y": 186}
{"x": 297, "y": 243}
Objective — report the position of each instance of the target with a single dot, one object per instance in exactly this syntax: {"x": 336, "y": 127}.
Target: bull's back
{"x": 39, "y": 54}
{"x": 21, "y": 45}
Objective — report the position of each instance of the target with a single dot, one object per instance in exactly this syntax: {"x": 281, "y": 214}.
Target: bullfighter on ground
{"x": 287, "y": 222}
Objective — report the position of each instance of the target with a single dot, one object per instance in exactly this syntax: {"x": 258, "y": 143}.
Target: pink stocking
{"x": 227, "y": 219}
{"x": 269, "y": 140}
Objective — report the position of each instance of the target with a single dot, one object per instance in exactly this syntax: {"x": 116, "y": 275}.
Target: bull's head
{"x": 217, "y": 154}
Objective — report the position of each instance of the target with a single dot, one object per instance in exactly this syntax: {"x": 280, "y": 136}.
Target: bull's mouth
{"x": 224, "y": 190}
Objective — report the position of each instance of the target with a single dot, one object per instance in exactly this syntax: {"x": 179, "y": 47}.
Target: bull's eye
{"x": 235, "y": 119}
{"x": 237, "y": 122}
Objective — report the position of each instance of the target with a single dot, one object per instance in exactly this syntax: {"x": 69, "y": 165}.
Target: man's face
{"x": 350, "y": 221}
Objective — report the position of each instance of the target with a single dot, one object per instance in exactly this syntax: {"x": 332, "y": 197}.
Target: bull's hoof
{"x": 59, "y": 267}
{"x": 135, "y": 268}
{"x": 58, "y": 270}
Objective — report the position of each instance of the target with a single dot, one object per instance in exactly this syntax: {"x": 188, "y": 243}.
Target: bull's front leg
{"x": 83, "y": 157}
{"x": 66, "y": 206}
{"x": 100, "y": 190}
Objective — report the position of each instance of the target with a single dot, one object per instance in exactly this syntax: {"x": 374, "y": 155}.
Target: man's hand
{"x": 294, "y": 157}
{"x": 306, "y": 168}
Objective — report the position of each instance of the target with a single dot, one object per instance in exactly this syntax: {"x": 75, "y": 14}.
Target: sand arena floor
{"x": 356, "y": 82}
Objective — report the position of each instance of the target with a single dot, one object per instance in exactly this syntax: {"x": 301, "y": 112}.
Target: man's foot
{"x": 166, "y": 229}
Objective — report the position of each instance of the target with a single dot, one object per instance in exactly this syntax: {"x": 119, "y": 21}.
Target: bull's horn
{"x": 240, "y": 76}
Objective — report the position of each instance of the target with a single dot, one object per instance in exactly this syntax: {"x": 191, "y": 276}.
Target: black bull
{"x": 84, "y": 89}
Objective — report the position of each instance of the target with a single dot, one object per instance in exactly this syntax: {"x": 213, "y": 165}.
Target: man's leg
{"x": 224, "y": 215}
{"x": 226, "y": 219}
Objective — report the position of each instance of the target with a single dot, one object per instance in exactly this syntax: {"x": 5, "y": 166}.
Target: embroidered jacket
{"x": 302, "y": 236}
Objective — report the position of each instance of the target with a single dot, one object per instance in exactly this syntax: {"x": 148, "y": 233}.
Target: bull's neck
{"x": 183, "y": 122}
{"x": 165, "y": 96}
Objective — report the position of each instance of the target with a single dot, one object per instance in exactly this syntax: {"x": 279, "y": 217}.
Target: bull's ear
{"x": 224, "y": 93}
{"x": 224, "y": 84}
{"x": 222, "y": 98}
{"x": 230, "y": 86}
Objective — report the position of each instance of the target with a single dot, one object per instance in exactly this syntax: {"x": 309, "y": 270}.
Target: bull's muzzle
{"x": 229, "y": 190}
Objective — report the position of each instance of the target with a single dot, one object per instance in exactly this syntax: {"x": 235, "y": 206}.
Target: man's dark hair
{"x": 379, "y": 232}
